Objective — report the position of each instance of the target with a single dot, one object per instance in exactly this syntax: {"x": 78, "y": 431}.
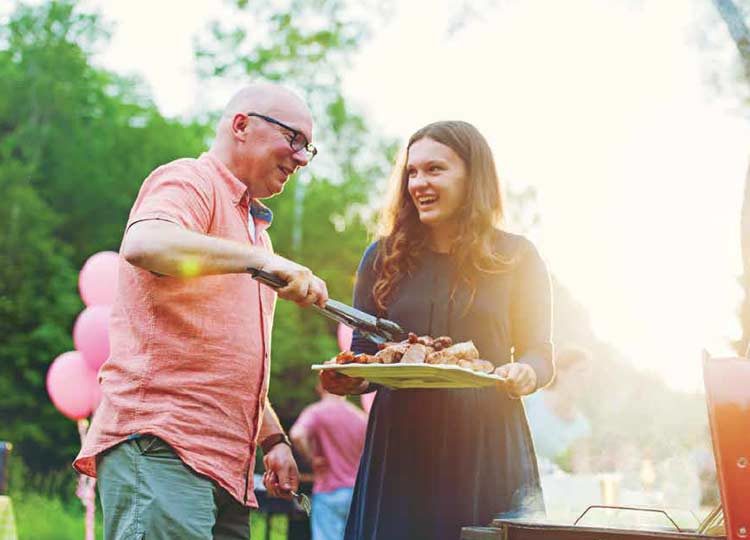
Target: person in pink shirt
{"x": 330, "y": 434}
{"x": 185, "y": 389}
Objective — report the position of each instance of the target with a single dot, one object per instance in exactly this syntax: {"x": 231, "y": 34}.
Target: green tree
{"x": 92, "y": 135}
{"x": 37, "y": 304}
{"x": 75, "y": 144}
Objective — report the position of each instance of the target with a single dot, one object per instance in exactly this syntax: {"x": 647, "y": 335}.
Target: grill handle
{"x": 633, "y": 508}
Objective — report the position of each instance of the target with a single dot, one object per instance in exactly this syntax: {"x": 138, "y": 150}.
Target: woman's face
{"x": 436, "y": 181}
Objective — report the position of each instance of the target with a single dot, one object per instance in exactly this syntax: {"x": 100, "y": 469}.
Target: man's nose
{"x": 301, "y": 158}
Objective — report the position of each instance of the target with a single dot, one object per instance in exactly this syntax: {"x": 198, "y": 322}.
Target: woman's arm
{"x": 531, "y": 317}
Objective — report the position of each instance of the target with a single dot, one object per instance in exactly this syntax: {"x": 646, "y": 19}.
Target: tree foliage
{"x": 75, "y": 144}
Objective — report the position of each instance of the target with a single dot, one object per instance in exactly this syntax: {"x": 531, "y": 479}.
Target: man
{"x": 330, "y": 434}
{"x": 185, "y": 388}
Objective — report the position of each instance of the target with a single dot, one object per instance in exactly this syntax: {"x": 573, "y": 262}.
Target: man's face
{"x": 266, "y": 154}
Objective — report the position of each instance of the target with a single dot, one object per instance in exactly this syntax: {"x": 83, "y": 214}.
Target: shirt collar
{"x": 237, "y": 189}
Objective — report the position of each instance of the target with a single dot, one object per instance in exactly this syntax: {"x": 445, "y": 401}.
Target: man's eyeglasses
{"x": 298, "y": 140}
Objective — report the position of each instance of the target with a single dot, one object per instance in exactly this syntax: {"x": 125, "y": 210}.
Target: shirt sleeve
{"x": 174, "y": 194}
{"x": 531, "y": 315}
{"x": 306, "y": 420}
{"x": 363, "y": 298}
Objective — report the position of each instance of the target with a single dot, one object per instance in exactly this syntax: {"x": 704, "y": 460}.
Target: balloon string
{"x": 86, "y": 489}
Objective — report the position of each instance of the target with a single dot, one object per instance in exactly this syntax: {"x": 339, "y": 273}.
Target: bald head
{"x": 263, "y": 98}
{"x": 255, "y": 133}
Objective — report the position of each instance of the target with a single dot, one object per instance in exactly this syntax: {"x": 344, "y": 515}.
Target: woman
{"x": 438, "y": 459}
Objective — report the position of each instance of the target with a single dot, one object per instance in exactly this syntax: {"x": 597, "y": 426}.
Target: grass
{"x": 44, "y": 517}
{"x": 46, "y": 508}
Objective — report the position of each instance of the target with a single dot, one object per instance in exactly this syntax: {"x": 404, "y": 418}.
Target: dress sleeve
{"x": 363, "y": 299}
{"x": 531, "y": 315}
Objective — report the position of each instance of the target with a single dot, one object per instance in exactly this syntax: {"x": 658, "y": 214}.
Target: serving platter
{"x": 415, "y": 375}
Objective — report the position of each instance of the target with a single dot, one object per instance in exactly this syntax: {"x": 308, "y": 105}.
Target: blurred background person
{"x": 560, "y": 429}
{"x": 330, "y": 435}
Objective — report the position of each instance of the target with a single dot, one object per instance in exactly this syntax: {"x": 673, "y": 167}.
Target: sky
{"x": 604, "y": 108}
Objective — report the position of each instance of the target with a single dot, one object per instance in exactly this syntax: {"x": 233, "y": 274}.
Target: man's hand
{"x": 281, "y": 476}
{"x": 521, "y": 378}
{"x": 303, "y": 287}
{"x": 339, "y": 384}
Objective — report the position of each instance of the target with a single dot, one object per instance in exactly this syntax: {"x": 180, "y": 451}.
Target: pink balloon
{"x": 97, "y": 281}
{"x": 344, "y": 335}
{"x": 70, "y": 385}
{"x": 366, "y": 400}
{"x": 91, "y": 335}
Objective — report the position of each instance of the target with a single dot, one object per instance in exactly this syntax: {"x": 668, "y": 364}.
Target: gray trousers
{"x": 147, "y": 492}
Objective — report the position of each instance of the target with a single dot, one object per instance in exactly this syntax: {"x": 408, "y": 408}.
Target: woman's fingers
{"x": 520, "y": 378}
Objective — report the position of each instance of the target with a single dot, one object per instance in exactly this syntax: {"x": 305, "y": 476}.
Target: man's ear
{"x": 239, "y": 126}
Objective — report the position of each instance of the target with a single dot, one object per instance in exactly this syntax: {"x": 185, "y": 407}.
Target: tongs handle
{"x": 267, "y": 278}
{"x": 378, "y": 330}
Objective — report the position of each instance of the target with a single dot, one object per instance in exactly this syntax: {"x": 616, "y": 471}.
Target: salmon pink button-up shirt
{"x": 189, "y": 358}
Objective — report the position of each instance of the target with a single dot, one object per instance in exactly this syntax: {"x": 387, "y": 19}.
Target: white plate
{"x": 415, "y": 375}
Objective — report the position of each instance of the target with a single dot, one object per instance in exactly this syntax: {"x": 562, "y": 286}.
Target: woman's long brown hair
{"x": 403, "y": 238}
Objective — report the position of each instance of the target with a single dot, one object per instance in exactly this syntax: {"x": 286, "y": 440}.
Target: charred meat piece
{"x": 485, "y": 366}
{"x": 441, "y": 357}
{"x": 465, "y": 350}
{"x": 371, "y": 359}
{"x": 415, "y": 354}
{"x": 460, "y": 351}
{"x": 345, "y": 357}
{"x": 482, "y": 366}
{"x": 392, "y": 354}
{"x": 466, "y": 364}
{"x": 441, "y": 343}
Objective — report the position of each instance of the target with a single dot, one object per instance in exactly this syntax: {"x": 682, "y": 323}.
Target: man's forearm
{"x": 166, "y": 248}
{"x": 270, "y": 423}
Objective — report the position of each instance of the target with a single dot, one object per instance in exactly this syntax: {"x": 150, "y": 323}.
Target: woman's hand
{"x": 520, "y": 378}
{"x": 336, "y": 383}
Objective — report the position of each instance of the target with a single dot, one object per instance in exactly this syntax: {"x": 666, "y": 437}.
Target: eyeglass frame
{"x": 309, "y": 147}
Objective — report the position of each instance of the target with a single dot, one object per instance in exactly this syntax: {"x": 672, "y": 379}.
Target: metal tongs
{"x": 373, "y": 328}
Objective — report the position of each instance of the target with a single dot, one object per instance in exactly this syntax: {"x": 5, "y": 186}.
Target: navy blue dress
{"x": 436, "y": 460}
